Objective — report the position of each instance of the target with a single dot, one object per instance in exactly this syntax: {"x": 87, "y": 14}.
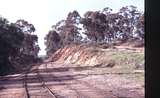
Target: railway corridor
{"x": 50, "y": 81}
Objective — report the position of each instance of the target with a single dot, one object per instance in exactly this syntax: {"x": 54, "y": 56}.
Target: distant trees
{"x": 29, "y": 50}
{"x": 94, "y": 24}
{"x": 10, "y": 42}
{"x": 63, "y": 33}
{"x": 52, "y": 42}
{"x": 107, "y": 26}
{"x": 130, "y": 22}
{"x": 14, "y": 41}
{"x": 68, "y": 29}
{"x": 98, "y": 26}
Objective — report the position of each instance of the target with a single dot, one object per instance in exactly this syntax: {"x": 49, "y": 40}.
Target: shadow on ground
{"x": 13, "y": 81}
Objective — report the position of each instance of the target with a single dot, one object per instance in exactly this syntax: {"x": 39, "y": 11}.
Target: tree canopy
{"x": 63, "y": 33}
{"x": 98, "y": 26}
{"x": 15, "y": 41}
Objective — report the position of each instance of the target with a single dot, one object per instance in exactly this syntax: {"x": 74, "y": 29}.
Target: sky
{"x": 45, "y": 13}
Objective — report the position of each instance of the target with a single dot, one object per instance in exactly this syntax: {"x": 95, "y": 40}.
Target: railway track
{"x": 42, "y": 88}
{"x": 36, "y": 85}
{"x": 52, "y": 93}
{"x": 75, "y": 88}
{"x": 67, "y": 87}
{"x": 87, "y": 91}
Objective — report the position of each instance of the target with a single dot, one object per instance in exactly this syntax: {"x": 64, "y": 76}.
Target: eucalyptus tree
{"x": 52, "y": 42}
{"x": 28, "y": 52}
{"x": 94, "y": 24}
{"x": 11, "y": 38}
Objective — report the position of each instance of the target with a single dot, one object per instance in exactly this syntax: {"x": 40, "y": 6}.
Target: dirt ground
{"x": 73, "y": 82}
{"x": 64, "y": 80}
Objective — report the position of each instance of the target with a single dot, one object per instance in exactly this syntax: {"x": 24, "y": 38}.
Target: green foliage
{"x": 99, "y": 26}
{"x": 28, "y": 52}
{"x": 52, "y": 42}
{"x": 17, "y": 43}
{"x": 63, "y": 33}
{"x": 10, "y": 42}
{"x": 107, "y": 26}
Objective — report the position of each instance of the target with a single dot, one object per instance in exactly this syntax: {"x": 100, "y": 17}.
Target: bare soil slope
{"x": 91, "y": 55}
{"x": 81, "y": 71}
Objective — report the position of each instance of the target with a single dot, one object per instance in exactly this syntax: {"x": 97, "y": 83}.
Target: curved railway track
{"x": 87, "y": 91}
{"x": 67, "y": 86}
{"x": 47, "y": 81}
{"x": 44, "y": 90}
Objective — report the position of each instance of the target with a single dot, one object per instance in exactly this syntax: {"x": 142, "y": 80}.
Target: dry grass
{"x": 87, "y": 55}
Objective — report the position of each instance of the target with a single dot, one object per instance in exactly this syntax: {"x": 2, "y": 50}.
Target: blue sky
{"x": 45, "y": 13}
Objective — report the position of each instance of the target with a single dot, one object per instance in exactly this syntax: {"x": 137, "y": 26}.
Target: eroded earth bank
{"x": 81, "y": 72}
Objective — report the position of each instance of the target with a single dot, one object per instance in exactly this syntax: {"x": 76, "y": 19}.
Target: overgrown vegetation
{"x": 102, "y": 26}
{"x": 18, "y": 45}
